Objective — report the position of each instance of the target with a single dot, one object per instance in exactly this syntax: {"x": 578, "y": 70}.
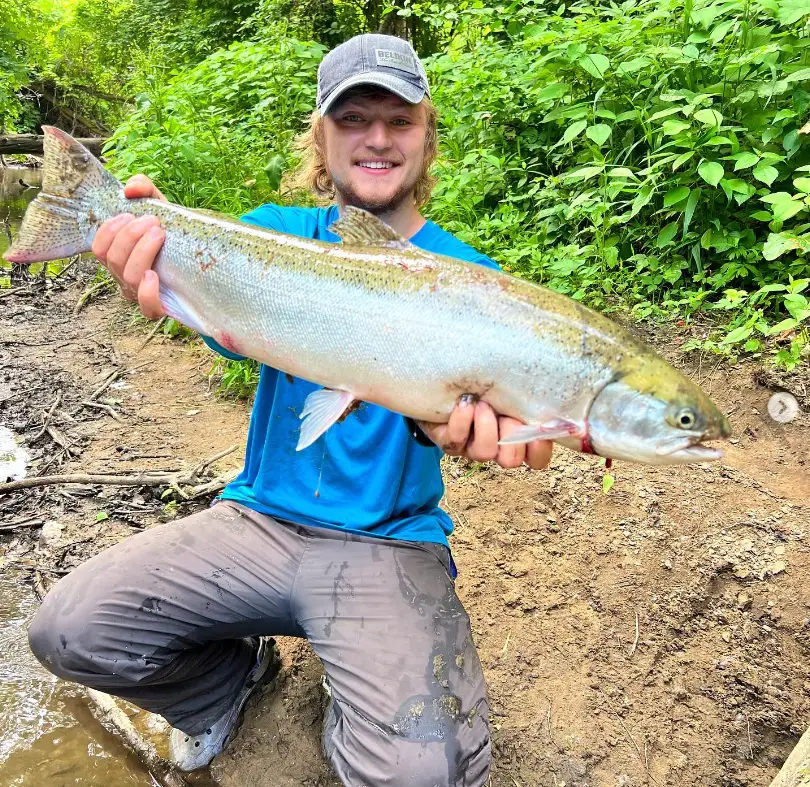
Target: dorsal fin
{"x": 361, "y": 228}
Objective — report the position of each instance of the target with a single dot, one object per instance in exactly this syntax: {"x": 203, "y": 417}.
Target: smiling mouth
{"x": 376, "y": 166}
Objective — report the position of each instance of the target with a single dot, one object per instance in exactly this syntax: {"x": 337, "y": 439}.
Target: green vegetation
{"x": 651, "y": 155}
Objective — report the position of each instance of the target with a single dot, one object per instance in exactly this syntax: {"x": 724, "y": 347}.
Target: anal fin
{"x": 322, "y": 409}
{"x": 549, "y": 430}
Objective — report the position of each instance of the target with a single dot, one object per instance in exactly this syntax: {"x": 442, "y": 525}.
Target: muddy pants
{"x": 158, "y": 620}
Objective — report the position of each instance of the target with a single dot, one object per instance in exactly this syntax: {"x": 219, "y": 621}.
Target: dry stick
{"x": 12, "y": 528}
{"x": 109, "y": 714}
{"x": 5, "y": 293}
{"x": 151, "y": 334}
{"x": 87, "y": 294}
{"x": 107, "y": 409}
{"x": 48, "y": 415}
{"x": 143, "y": 478}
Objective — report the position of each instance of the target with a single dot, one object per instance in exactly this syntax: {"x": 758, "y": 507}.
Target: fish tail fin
{"x": 56, "y": 224}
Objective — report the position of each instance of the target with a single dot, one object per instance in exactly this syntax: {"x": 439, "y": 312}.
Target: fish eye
{"x": 686, "y": 419}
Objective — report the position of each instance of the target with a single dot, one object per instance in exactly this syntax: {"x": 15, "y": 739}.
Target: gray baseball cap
{"x": 371, "y": 59}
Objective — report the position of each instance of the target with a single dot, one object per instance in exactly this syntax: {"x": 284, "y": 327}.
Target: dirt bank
{"x": 657, "y": 634}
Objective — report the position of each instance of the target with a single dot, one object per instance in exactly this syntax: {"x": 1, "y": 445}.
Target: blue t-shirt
{"x": 366, "y": 474}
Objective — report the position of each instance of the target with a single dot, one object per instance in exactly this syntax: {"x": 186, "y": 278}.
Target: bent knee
{"x": 54, "y": 636}
{"x": 45, "y": 641}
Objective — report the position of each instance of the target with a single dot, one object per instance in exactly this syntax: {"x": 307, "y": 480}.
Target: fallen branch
{"x": 151, "y": 334}
{"x": 14, "y": 526}
{"x": 109, "y": 714}
{"x": 106, "y": 408}
{"x": 189, "y": 478}
{"x": 32, "y": 143}
{"x": 89, "y": 293}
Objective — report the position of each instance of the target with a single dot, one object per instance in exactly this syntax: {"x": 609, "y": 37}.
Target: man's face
{"x": 375, "y": 150}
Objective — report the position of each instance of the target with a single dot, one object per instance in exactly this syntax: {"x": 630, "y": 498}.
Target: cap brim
{"x": 400, "y": 87}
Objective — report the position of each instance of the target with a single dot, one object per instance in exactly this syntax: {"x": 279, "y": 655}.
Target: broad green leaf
{"x": 738, "y": 334}
{"x": 745, "y": 160}
{"x": 673, "y": 127}
{"x": 689, "y": 212}
{"x": 630, "y": 66}
{"x": 765, "y": 173}
{"x": 676, "y": 195}
{"x": 642, "y": 198}
{"x": 802, "y": 184}
{"x": 621, "y": 172}
{"x": 782, "y": 211}
{"x": 598, "y": 133}
{"x": 711, "y": 172}
{"x": 709, "y": 117}
{"x": 665, "y": 113}
{"x": 791, "y": 11}
{"x": 762, "y": 215}
{"x": 596, "y": 65}
{"x": 802, "y": 75}
{"x": 607, "y": 482}
{"x": 777, "y": 196}
{"x": 667, "y": 234}
{"x": 691, "y": 51}
{"x": 573, "y": 131}
{"x": 682, "y": 159}
{"x": 787, "y": 324}
{"x": 721, "y": 31}
{"x": 552, "y": 92}
{"x": 780, "y": 242}
{"x": 583, "y": 174}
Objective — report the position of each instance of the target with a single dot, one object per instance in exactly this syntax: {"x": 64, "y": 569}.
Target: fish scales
{"x": 376, "y": 317}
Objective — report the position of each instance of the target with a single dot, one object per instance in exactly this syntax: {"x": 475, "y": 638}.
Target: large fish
{"x": 376, "y": 319}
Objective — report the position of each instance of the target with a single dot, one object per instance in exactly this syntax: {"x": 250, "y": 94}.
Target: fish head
{"x": 655, "y": 415}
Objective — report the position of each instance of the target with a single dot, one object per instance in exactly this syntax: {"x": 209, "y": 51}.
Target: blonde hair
{"x": 313, "y": 175}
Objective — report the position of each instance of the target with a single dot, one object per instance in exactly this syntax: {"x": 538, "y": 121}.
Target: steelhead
{"x": 377, "y": 319}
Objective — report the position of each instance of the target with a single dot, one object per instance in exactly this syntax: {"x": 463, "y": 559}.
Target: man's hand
{"x": 473, "y": 431}
{"x": 128, "y": 247}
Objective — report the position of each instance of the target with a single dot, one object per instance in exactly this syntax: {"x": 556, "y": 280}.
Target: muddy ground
{"x": 657, "y": 634}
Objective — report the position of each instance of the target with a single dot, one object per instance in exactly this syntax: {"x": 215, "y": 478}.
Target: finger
{"x": 143, "y": 255}
{"x": 141, "y": 186}
{"x": 509, "y": 455}
{"x": 149, "y": 296}
{"x": 106, "y": 233}
{"x": 123, "y": 244}
{"x": 484, "y": 444}
{"x": 538, "y": 454}
{"x": 459, "y": 425}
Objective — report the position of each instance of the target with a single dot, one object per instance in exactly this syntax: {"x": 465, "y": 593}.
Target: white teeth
{"x": 376, "y": 164}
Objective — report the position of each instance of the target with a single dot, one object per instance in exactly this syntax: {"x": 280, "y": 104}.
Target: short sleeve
{"x": 269, "y": 216}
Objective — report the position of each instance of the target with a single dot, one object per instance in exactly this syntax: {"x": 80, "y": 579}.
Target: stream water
{"x": 47, "y": 736}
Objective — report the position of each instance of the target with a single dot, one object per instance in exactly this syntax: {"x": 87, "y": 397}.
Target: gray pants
{"x": 157, "y": 619}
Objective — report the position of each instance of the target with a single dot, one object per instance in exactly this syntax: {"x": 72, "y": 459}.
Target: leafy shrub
{"x": 218, "y": 135}
{"x": 644, "y": 153}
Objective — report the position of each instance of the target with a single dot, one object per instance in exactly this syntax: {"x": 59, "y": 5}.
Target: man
{"x": 342, "y": 543}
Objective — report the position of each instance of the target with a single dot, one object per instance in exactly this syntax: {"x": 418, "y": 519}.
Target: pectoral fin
{"x": 550, "y": 430}
{"x": 322, "y": 409}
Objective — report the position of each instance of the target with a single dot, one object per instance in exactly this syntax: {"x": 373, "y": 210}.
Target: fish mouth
{"x": 689, "y": 447}
{"x": 696, "y": 453}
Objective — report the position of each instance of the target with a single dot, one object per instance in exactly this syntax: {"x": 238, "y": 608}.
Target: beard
{"x": 380, "y": 205}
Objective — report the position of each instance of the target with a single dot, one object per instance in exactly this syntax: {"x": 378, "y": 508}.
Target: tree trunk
{"x": 32, "y": 143}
